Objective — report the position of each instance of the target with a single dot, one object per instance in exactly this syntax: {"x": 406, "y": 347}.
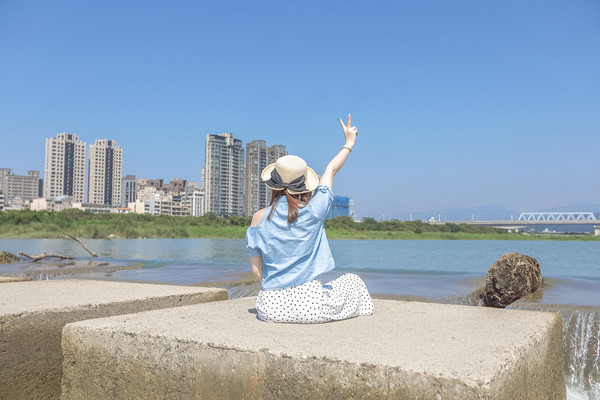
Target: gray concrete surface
{"x": 33, "y": 314}
{"x": 6, "y": 279}
{"x": 406, "y": 350}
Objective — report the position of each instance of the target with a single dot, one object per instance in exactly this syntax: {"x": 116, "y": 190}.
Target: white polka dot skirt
{"x": 314, "y": 302}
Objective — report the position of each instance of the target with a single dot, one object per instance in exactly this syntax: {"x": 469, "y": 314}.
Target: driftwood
{"x": 8, "y": 258}
{"x": 48, "y": 255}
{"x": 43, "y": 255}
{"x": 82, "y": 245}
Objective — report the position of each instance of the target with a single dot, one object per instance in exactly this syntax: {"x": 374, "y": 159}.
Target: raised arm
{"x": 336, "y": 163}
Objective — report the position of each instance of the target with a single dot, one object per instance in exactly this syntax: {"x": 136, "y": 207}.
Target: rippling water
{"x": 425, "y": 268}
{"x": 446, "y": 271}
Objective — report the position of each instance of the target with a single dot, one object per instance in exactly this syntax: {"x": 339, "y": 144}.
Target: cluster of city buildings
{"x": 91, "y": 179}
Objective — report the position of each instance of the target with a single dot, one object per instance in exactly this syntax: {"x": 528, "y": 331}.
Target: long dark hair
{"x": 294, "y": 202}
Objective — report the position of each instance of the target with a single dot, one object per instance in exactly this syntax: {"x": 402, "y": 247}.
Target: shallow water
{"x": 426, "y": 268}
{"x": 444, "y": 271}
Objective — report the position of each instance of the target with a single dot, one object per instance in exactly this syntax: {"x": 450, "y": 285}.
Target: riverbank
{"x": 48, "y": 225}
{"x": 393, "y": 235}
{"x": 101, "y": 232}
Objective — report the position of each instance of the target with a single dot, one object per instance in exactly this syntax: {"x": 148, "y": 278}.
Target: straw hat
{"x": 291, "y": 173}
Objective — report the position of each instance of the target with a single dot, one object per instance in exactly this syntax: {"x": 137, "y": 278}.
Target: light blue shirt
{"x": 295, "y": 253}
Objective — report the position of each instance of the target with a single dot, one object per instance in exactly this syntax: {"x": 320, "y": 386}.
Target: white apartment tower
{"x": 106, "y": 166}
{"x": 224, "y": 175}
{"x": 64, "y": 173}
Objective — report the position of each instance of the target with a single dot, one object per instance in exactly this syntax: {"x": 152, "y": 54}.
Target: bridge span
{"x": 516, "y": 223}
{"x": 533, "y": 218}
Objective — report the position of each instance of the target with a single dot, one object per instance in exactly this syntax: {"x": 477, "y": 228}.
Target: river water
{"x": 445, "y": 271}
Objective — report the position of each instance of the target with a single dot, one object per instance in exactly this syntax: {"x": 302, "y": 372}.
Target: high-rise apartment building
{"x": 255, "y": 191}
{"x": 275, "y": 151}
{"x": 128, "y": 190}
{"x": 256, "y": 194}
{"x": 19, "y": 187}
{"x": 224, "y": 175}
{"x": 64, "y": 173}
{"x": 106, "y": 167}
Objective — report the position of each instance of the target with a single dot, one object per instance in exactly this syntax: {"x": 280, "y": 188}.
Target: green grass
{"x": 391, "y": 235}
{"x": 29, "y": 224}
{"x": 42, "y": 224}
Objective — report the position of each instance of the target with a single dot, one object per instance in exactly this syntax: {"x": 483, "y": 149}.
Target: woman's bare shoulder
{"x": 257, "y": 217}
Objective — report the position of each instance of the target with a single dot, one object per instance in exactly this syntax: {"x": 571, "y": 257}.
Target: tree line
{"x": 26, "y": 223}
{"x": 394, "y": 225}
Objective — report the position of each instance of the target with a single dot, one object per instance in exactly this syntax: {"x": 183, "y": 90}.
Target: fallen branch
{"x": 82, "y": 245}
{"x": 44, "y": 255}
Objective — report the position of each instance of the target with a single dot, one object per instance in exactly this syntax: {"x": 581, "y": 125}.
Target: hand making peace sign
{"x": 350, "y": 132}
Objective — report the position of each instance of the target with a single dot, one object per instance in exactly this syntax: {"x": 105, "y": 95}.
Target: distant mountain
{"x": 595, "y": 208}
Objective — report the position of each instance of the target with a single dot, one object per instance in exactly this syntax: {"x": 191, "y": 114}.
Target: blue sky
{"x": 459, "y": 105}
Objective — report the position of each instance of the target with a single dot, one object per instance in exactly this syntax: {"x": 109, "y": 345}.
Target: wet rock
{"x": 511, "y": 277}
{"x": 8, "y": 258}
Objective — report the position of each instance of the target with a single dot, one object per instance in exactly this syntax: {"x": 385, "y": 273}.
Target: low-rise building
{"x": 166, "y": 204}
{"x": 153, "y": 206}
{"x": 38, "y": 204}
{"x": 15, "y": 204}
{"x": 94, "y": 208}
{"x": 19, "y": 188}
{"x": 136, "y": 207}
{"x": 194, "y": 201}
{"x": 60, "y": 203}
{"x": 147, "y": 193}
{"x": 173, "y": 205}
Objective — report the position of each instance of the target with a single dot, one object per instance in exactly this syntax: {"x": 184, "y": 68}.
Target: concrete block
{"x": 33, "y": 314}
{"x": 406, "y": 350}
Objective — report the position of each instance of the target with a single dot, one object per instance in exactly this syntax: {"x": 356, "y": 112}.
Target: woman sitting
{"x": 288, "y": 247}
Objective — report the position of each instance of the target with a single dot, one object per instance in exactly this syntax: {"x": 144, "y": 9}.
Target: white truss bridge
{"x": 535, "y": 218}
{"x": 557, "y": 216}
